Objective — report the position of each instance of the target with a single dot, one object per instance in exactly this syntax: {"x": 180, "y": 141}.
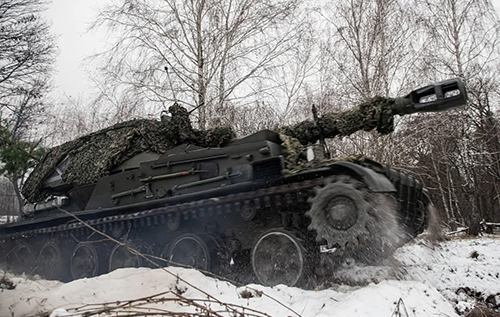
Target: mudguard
{"x": 376, "y": 182}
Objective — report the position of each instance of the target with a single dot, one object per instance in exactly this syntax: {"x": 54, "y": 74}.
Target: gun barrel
{"x": 436, "y": 97}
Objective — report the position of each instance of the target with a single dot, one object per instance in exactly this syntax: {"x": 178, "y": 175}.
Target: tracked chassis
{"x": 226, "y": 229}
{"x": 250, "y": 209}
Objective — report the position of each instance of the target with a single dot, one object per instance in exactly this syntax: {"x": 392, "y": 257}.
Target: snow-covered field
{"x": 421, "y": 280}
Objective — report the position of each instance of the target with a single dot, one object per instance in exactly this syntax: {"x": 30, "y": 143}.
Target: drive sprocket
{"x": 347, "y": 215}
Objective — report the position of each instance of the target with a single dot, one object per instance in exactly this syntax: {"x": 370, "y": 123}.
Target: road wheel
{"x": 20, "y": 258}
{"x": 191, "y": 250}
{"x": 121, "y": 257}
{"x": 279, "y": 257}
{"x": 84, "y": 261}
{"x": 50, "y": 263}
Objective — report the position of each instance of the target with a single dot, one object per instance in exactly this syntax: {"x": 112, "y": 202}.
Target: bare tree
{"x": 463, "y": 40}
{"x": 464, "y": 36}
{"x": 208, "y": 50}
{"x": 26, "y": 56}
{"x": 8, "y": 199}
{"x": 367, "y": 50}
{"x": 74, "y": 117}
{"x": 371, "y": 45}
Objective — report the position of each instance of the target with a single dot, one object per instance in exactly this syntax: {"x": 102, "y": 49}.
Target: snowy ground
{"x": 425, "y": 280}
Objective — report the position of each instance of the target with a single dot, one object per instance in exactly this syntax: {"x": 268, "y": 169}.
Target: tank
{"x": 270, "y": 207}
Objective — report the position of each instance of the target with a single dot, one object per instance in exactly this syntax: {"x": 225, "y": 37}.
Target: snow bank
{"x": 32, "y": 297}
{"x": 460, "y": 263}
{"x": 463, "y": 269}
{"x": 431, "y": 278}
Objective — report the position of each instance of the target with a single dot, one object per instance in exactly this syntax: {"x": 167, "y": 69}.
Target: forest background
{"x": 254, "y": 64}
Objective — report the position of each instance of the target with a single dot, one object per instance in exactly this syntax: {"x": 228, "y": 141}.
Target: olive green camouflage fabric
{"x": 94, "y": 155}
{"x": 179, "y": 129}
{"x": 376, "y": 113}
{"x": 290, "y": 149}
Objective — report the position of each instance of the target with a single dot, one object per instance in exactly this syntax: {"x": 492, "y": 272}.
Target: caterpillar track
{"x": 75, "y": 249}
{"x": 252, "y": 210}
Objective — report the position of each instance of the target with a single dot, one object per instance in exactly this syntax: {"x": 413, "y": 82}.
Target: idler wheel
{"x": 84, "y": 261}
{"x": 190, "y": 250}
{"x": 50, "y": 262}
{"x": 279, "y": 257}
{"x": 121, "y": 257}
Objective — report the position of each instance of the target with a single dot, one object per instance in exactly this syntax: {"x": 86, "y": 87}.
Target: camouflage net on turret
{"x": 376, "y": 114}
{"x": 94, "y": 155}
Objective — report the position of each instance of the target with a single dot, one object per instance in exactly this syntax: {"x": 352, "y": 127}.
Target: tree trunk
{"x": 200, "y": 59}
{"x": 17, "y": 191}
{"x": 441, "y": 191}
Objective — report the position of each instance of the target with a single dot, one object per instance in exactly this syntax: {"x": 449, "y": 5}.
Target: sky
{"x": 70, "y": 21}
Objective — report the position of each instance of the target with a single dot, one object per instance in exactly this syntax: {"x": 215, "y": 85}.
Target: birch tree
{"x": 26, "y": 56}
{"x": 368, "y": 52}
{"x": 205, "y": 54}
{"x": 463, "y": 41}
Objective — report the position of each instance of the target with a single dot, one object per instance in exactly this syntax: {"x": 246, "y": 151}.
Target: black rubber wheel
{"x": 121, "y": 257}
{"x": 20, "y": 259}
{"x": 279, "y": 257}
{"x": 360, "y": 224}
{"x": 190, "y": 250}
{"x": 84, "y": 261}
{"x": 50, "y": 262}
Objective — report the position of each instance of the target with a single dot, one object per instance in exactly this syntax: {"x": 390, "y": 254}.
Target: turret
{"x": 126, "y": 145}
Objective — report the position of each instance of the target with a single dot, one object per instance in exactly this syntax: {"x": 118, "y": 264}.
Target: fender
{"x": 376, "y": 182}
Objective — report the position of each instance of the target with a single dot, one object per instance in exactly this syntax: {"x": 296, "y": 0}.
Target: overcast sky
{"x": 70, "y": 21}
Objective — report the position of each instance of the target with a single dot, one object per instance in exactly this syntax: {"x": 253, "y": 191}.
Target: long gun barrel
{"x": 378, "y": 113}
{"x": 432, "y": 98}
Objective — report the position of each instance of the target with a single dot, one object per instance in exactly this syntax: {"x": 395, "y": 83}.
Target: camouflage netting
{"x": 374, "y": 114}
{"x": 93, "y": 156}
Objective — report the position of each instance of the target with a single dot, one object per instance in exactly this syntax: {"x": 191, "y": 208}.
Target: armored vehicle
{"x": 268, "y": 207}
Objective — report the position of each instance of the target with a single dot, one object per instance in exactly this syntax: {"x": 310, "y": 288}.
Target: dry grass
{"x": 474, "y": 254}
{"x": 482, "y": 311}
{"x": 250, "y": 293}
{"x": 152, "y": 306}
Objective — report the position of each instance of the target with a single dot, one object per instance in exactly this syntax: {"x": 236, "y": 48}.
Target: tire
{"x": 191, "y": 251}
{"x": 280, "y": 257}
{"x": 50, "y": 262}
{"x": 121, "y": 257}
{"x": 20, "y": 258}
{"x": 84, "y": 261}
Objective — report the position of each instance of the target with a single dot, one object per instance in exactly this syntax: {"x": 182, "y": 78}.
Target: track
{"x": 226, "y": 235}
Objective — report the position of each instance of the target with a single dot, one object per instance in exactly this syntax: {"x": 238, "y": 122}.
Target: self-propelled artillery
{"x": 269, "y": 204}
